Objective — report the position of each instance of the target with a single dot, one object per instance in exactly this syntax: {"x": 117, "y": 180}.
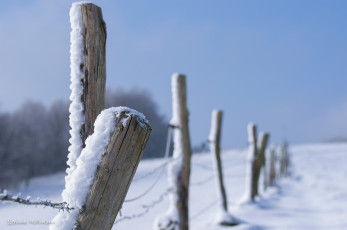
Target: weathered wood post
{"x": 272, "y": 166}
{"x": 115, "y": 172}
{"x": 223, "y": 216}
{"x": 93, "y": 66}
{"x": 179, "y": 169}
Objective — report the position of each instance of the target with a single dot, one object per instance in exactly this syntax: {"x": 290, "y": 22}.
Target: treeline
{"x": 34, "y": 139}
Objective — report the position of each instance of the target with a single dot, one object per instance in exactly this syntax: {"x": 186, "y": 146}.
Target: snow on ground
{"x": 314, "y": 197}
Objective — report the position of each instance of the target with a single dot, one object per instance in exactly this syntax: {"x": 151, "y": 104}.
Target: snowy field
{"x": 314, "y": 197}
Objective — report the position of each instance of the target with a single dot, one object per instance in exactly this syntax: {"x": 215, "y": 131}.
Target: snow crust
{"x": 76, "y": 118}
{"x": 81, "y": 179}
{"x": 214, "y": 126}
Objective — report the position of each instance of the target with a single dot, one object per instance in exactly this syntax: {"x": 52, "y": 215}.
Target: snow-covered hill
{"x": 314, "y": 197}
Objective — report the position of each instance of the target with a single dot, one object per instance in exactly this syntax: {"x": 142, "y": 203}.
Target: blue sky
{"x": 280, "y": 64}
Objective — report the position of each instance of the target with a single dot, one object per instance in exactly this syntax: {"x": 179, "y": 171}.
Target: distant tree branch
{"x": 46, "y": 203}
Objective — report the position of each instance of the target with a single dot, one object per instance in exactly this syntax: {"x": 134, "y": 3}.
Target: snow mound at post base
{"x": 226, "y": 219}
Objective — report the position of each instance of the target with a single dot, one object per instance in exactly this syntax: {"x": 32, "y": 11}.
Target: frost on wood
{"x": 81, "y": 179}
{"x": 76, "y": 118}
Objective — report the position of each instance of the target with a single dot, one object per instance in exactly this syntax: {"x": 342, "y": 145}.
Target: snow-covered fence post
{"x": 272, "y": 169}
{"x": 261, "y": 157}
{"x": 115, "y": 172}
{"x": 255, "y": 161}
{"x": 179, "y": 168}
{"x": 223, "y": 216}
{"x": 105, "y": 148}
{"x": 250, "y": 164}
{"x": 98, "y": 186}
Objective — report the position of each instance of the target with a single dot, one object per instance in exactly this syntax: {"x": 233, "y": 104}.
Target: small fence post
{"x": 284, "y": 159}
{"x": 250, "y": 164}
{"x": 179, "y": 169}
{"x": 272, "y": 169}
{"x": 261, "y": 159}
{"x": 223, "y": 217}
{"x": 255, "y": 161}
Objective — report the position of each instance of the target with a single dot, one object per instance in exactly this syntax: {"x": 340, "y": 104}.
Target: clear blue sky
{"x": 280, "y": 64}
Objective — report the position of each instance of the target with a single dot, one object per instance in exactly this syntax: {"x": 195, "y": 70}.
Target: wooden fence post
{"x": 272, "y": 169}
{"x": 250, "y": 165}
{"x": 100, "y": 174}
{"x": 93, "y": 66}
{"x": 284, "y": 159}
{"x": 114, "y": 173}
{"x": 255, "y": 161}
{"x": 252, "y": 139}
{"x": 179, "y": 169}
{"x": 223, "y": 218}
{"x": 260, "y": 158}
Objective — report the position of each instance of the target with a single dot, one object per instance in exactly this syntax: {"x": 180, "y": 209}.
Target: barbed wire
{"x": 146, "y": 207}
{"x": 147, "y": 191}
{"x": 161, "y": 167}
{"x": 202, "y": 182}
{"x": 206, "y": 208}
{"x": 166, "y": 156}
{"x": 152, "y": 171}
{"x": 62, "y": 206}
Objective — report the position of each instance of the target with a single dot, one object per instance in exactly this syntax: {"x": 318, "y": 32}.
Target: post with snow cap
{"x": 101, "y": 166}
{"x": 259, "y": 162}
{"x": 263, "y": 139}
{"x": 255, "y": 162}
{"x": 179, "y": 169}
{"x": 251, "y": 185}
{"x": 223, "y": 216}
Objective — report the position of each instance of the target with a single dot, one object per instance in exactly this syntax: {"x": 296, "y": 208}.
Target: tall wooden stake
{"x": 259, "y": 161}
{"x": 179, "y": 169}
{"x": 223, "y": 216}
{"x": 93, "y": 66}
{"x": 214, "y": 140}
{"x": 253, "y": 150}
